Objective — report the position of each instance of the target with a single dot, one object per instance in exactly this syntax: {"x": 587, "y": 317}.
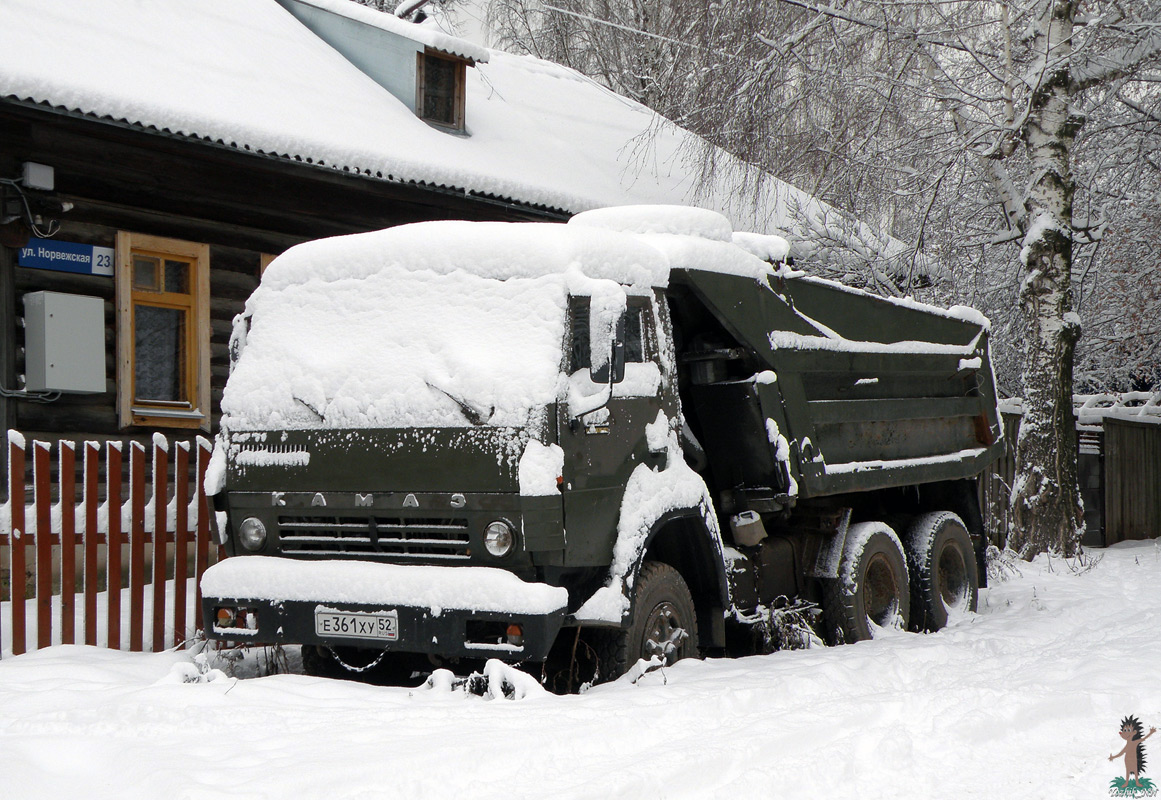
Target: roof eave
{"x": 356, "y": 173}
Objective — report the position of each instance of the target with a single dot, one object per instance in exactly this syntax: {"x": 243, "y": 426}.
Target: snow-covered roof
{"x": 426, "y": 35}
{"x": 246, "y": 74}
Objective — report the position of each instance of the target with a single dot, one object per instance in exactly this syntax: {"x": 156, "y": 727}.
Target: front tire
{"x": 871, "y": 594}
{"x": 662, "y": 622}
{"x": 945, "y": 578}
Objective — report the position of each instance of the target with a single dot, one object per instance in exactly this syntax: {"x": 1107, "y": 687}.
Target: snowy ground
{"x": 1022, "y": 700}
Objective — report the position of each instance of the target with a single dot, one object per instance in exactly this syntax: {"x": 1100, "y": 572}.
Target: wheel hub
{"x": 953, "y": 577}
{"x": 664, "y": 635}
{"x": 880, "y": 592}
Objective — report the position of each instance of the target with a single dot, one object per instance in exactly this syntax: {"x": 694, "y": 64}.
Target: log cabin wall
{"x": 243, "y": 205}
{"x": 234, "y": 274}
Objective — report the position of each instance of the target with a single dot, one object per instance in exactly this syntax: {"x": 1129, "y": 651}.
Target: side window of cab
{"x": 635, "y": 337}
{"x": 635, "y": 332}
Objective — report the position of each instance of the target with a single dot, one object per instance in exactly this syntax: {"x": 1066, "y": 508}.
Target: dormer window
{"x": 440, "y": 89}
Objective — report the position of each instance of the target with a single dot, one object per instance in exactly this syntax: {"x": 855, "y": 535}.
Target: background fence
{"x": 118, "y": 567}
{"x": 1118, "y": 468}
{"x": 1132, "y": 479}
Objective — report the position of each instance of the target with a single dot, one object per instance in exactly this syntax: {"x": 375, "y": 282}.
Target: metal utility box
{"x": 64, "y": 343}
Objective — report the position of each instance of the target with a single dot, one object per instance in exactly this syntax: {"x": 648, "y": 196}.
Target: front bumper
{"x": 452, "y": 612}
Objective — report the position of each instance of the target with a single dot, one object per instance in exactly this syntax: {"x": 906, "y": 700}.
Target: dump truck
{"x": 637, "y": 435}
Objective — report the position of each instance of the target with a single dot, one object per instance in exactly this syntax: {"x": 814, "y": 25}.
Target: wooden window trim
{"x": 197, "y": 361}
{"x": 458, "y": 124}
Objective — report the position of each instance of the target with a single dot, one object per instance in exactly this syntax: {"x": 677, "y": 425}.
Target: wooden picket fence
{"x": 157, "y": 514}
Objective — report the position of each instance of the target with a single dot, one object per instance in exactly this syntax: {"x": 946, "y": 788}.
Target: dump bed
{"x": 846, "y": 391}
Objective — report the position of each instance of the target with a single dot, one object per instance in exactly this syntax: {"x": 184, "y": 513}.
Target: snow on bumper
{"x": 449, "y": 611}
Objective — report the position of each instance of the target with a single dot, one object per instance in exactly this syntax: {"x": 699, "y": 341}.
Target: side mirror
{"x": 613, "y": 370}
{"x": 239, "y": 330}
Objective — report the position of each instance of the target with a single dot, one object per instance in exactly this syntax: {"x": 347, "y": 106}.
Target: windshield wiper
{"x": 471, "y": 413}
{"x": 310, "y": 408}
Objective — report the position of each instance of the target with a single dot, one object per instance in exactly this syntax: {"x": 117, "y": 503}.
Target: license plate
{"x": 358, "y": 625}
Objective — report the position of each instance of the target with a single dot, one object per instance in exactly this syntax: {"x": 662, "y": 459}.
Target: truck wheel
{"x": 662, "y": 622}
{"x": 871, "y": 593}
{"x": 945, "y": 579}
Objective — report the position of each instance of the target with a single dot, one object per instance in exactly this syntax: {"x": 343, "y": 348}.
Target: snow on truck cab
{"x": 641, "y": 430}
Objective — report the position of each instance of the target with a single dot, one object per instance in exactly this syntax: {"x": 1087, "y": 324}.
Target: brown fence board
{"x": 42, "y": 498}
{"x": 160, "y": 501}
{"x": 92, "y": 451}
{"x": 180, "y": 540}
{"x": 113, "y": 461}
{"x": 136, "y": 547}
{"x": 68, "y": 542}
{"x": 17, "y": 567}
{"x": 202, "y": 547}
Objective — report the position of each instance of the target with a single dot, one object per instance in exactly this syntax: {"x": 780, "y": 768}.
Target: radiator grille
{"x": 387, "y": 538}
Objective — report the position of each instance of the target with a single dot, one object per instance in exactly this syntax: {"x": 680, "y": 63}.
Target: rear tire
{"x": 662, "y": 622}
{"x": 944, "y": 575}
{"x": 871, "y": 593}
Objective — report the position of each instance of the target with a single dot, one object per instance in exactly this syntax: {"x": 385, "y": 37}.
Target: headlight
{"x": 499, "y": 538}
{"x": 252, "y": 533}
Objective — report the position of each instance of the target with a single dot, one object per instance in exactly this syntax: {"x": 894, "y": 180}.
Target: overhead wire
{"x": 29, "y": 216}
{"x": 24, "y": 394}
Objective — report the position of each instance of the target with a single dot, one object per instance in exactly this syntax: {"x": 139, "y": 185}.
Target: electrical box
{"x": 64, "y": 343}
{"x": 38, "y": 176}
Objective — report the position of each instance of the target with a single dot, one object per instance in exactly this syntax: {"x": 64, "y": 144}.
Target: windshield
{"x": 399, "y": 349}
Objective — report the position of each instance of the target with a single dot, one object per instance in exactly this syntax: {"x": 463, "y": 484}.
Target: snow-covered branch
{"x": 1099, "y": 68}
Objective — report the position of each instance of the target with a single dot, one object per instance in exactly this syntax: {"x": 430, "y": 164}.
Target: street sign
{"x": 86, "y": 259}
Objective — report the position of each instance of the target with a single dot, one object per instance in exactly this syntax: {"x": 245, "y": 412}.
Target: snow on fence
{"x": 1092, "y": 409}
{"x": 141, "y": 534}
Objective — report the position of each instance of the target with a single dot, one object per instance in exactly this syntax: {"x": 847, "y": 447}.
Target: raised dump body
{"x": 447, "y": 442}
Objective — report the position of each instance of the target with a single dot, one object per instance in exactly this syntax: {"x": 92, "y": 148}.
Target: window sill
{"x": 444, "y": 127}
{"x": 168, "y": 418}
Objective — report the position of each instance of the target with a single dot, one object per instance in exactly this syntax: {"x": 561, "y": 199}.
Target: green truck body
{"x": 755, "y": 439}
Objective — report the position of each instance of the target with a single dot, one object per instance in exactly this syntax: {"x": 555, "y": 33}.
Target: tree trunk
{"x": 1045, "y": 497}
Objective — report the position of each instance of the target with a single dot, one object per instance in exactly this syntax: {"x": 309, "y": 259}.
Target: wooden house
{"x": 169, "y": 230}
{"x": 154, "y": 157}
